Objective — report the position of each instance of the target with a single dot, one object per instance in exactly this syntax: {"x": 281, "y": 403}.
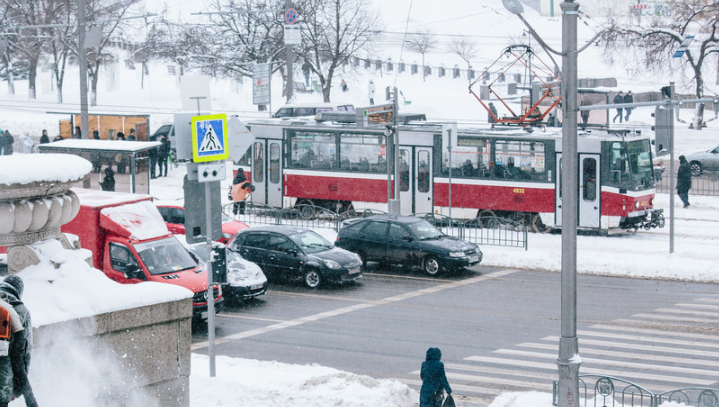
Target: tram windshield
{"x": 630, "y": 164}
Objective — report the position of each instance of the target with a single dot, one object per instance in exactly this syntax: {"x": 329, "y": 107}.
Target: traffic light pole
{"x": 671, "y": 170}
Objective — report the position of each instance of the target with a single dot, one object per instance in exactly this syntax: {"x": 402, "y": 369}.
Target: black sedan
{"x": 287, "y": 252}
{"x": 408, "y": 241}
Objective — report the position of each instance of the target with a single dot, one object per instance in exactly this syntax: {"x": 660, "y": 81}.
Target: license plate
{"x": 354, "y": 271}
{"x": 474, "y": 259}
{"x": 255, "y": 287}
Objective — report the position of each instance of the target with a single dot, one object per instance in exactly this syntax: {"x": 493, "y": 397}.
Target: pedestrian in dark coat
{"x": 108, "y": 182}
{"x": 434, "y": 380}
{"x": 628, "y": 98}
{"x": 6, "y": 143}
{"x": 585, "y": 113}
{"x": 492, "y": 115}
{"x": 162, "y": 153}
{"x": 132, "y": 136}
{"x": 44, "y": 139}
{"x": 618, "y": 99}
{"x": 11, "y": 290}
{"x": 684, "y": 180}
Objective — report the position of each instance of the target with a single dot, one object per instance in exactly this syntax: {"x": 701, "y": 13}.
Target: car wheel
{"x": 431, "y": 266}
{"x": 696, "y": 168}
{"x": 313, "y": 279}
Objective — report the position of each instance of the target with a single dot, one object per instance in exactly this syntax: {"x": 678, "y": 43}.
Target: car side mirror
{"x": 133, "y": 271}
{"x": 407, "y": 238}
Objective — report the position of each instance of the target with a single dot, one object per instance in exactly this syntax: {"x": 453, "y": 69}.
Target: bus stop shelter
{"x": 130, "y": 161}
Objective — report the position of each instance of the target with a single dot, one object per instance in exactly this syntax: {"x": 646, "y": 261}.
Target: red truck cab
{"x": 131, "y": 244}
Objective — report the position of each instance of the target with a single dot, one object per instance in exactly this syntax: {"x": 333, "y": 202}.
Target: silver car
{"x": 704, "y": 161}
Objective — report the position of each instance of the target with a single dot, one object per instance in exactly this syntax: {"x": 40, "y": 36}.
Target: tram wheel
{"x": 306, "y": 209}
{"x": 537, "y": 225}
{"x": 488, "y": 219}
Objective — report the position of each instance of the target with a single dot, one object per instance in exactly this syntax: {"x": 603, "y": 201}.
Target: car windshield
{"x": 311, "y": 242}
{"x": 423, "y": 230}
{"x": 165, "y": 256}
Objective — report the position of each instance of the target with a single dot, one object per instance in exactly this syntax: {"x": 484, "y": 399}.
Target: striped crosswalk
{"x": 661, "y": 350}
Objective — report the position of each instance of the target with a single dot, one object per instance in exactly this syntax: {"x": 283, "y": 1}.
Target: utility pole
{"x": 289, "y": 59}
{"x": 82, "y": 56}
{"x": 568, "y": 360}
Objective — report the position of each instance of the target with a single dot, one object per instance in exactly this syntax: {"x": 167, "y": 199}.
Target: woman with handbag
{"x": 434, "y": 380}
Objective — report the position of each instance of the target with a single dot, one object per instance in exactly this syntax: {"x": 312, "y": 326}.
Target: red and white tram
{"x": 510, "y": 172}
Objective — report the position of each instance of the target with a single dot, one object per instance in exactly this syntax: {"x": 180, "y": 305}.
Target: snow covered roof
{"x": 114, "y": 146}
{"x": 30, "y": 168}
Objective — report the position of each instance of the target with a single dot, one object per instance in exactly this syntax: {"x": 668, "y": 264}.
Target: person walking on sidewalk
{"x": 619, "y": 99}
{"x": 434, "y": 380}
{"x": 684, "y": 180}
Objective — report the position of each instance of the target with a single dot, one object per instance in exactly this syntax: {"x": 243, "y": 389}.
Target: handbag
{"x": 239, "y": 192}
{"x": 449, "y": 401}
{"x": 437, "y": 397}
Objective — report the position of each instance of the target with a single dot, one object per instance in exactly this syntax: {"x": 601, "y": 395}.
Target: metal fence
{"x": 491, "y": 231}
{"x": 705, "y": 184}
{"x": 608, "y": 391}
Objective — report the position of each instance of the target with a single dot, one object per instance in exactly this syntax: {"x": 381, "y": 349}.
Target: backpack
{"x": 5, "y": 331}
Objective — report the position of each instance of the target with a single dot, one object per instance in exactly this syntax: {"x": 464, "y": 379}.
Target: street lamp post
{"x": 568, "y": 360}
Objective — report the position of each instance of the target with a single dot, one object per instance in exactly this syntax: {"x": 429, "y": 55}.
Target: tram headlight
{"x": 624, "y": 205}
{"x": 636, "y": 205}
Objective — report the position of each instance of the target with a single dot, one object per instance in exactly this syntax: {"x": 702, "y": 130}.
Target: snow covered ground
{"x": 243, "y": 382}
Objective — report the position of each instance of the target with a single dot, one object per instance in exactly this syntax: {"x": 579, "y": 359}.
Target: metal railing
{"x": 608, "y": 391}
{"x": 492, "y": 231}
{"x": 705, "y": 184}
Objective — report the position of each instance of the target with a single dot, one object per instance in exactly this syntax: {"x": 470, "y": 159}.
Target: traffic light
{"x": 388, "y": 93}
{"x": 667, "y": 92}
{"x": 662, "y": 123}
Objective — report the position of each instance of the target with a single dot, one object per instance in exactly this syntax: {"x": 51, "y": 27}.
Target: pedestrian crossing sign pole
{"x": 209, "y": 138}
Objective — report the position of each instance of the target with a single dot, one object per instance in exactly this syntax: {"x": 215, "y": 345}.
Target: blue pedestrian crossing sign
{"x": 209, "y": 138}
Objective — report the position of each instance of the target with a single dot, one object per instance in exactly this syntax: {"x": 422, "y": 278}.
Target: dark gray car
{"x": 287, "y": 252}
{"x": 408, "y": 241}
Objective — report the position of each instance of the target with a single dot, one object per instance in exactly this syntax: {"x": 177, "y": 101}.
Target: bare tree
{"x": 422, "y": 42}
{"x": 244, "y": 33}
{"x": 109, "y": 16}
{"x": 27, "y": 16}
{"x": 466, "y": 49}
{"x": 658, "y": 37}
{"x": 333, "y": 31}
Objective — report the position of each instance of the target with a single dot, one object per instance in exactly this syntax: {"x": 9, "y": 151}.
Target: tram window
{"x": 246, "y": 159}
{"x": 618, "y": 166}
{"x": 469, "y": 158}
{"x": 363, "y": 153}
{"x": 423, "y": 176}
{"x": 589, "y": 179}
{"x": 524, "y": 160}
{"x": 403, "y": 170}
{"x": 313, "y": 150}
{"x": 258, "y": 171}
{"x": 275, "y": 163}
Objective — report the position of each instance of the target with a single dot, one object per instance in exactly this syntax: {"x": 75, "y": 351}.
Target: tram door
{"x": 589, "y": 213}
{"x": 267, "y": 172}
{"x": 415, "y": 175}
{"x": 589, "y": 191}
